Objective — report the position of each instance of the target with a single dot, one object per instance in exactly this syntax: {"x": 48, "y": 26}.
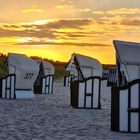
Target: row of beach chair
{"x": 86, "y": 75}
{"x": 26, "y": 77}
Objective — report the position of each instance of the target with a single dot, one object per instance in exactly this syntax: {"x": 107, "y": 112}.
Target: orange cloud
{"x": 63, "y": 43}
{"x": 72, "y": 9}
{"x": 84, "y": 10}
{"x": 131, "y": 22}
{"x": 89, "y": 36}
{"x": 47, "y": 30}
{"x": 98, "y": 12}
{"x": 122, "y": 11}
{"x": 64, "y": 6}
{"x": 33, "y": 9}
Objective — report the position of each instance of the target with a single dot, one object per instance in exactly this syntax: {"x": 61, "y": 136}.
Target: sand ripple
{"x": 50, "y": 117}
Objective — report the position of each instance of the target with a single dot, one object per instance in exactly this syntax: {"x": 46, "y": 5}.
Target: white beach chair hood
{"x": 25, "y": 68}
{"x": 71, "y": 67}
{"x": 128, "y": 55}
{"x": 48, "y": 68}
{"x": 88, "y": 66}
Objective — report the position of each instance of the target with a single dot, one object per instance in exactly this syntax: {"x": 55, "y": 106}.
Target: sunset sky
{"x": 55, "y": 29}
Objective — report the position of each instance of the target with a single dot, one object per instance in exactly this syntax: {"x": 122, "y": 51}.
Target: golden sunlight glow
{"x": 34, "y": 8}
{"x": 122, "y": 11}
{"x": 8, "y": 40}
{"x": 26, "y": 39}
{"x": 56, "y": 29}
{"x": 38, "y": 22}
{"x": 54, "y": 40}
{"x": 65, "y": 6}
{"x": 68, "y": 30}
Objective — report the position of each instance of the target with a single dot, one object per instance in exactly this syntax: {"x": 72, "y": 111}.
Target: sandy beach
{"x": 50, "y": 117}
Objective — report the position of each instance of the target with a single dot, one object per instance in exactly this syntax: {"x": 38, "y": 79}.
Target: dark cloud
{"x": 48, "y": 30}
{"x": 11, "y": 26}
{"x": 77, "y": 35}
{"x": 63, "y": 24}
{"x": 27, "y": 33}
{"x": 132, "y": 22}
{"x": 64, "y": 43}
{"x": 75, "y": 23}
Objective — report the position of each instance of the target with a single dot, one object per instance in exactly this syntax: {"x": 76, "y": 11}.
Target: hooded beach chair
{"x": 112, "y": 77}
{"x": 23, "y": 73}
{"x": 44, "y": 81}
{"x": 125, "y": 96}
{"x": 73, "y": 73}
{"x": 85, "y": 92}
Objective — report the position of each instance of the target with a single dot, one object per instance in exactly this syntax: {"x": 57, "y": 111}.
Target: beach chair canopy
{"x": 48, "y": 68}
{"x": 25, "y": 69}
{"x": 128, "y": 56}
{"x": 87, "y": 66}
{"x": 71, "y": 67}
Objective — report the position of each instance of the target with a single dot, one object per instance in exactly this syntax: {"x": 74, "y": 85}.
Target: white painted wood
{"x": 47, "y": 83}
{"x": 89, "y": 66}
{"x": 7, "y": 94}
{"x": 134, "y": 96}
{"x": 81, "y": 94}
{"x": 3, "y": 88}
{"x": 134, "y": 104}
{"x": 22, "y": 94}
{"x": 8, "y": 82}
{"x": 46, "y": 87}
{"x": 26, "y": 70}
{"x": 12, "y": 87}
{"x": 71, "y": 67}
{"x": 89, "y": 90}
{"x": 48, "y": 68}
{"x": 12, "y": 69}
{"x": 96, "y": 93}
{"x": 123, "y": 114}
{"x": 51, "y": 84}
{"x": 128, "y": 54}
{"x": 88, "y": 102}
{"x": 8, "y": 86}
{"x": 67, "y": 81}
{"x": 43, "y": 86}
{"x": 89, "y": 86}
{"x": 134, "y": 121}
